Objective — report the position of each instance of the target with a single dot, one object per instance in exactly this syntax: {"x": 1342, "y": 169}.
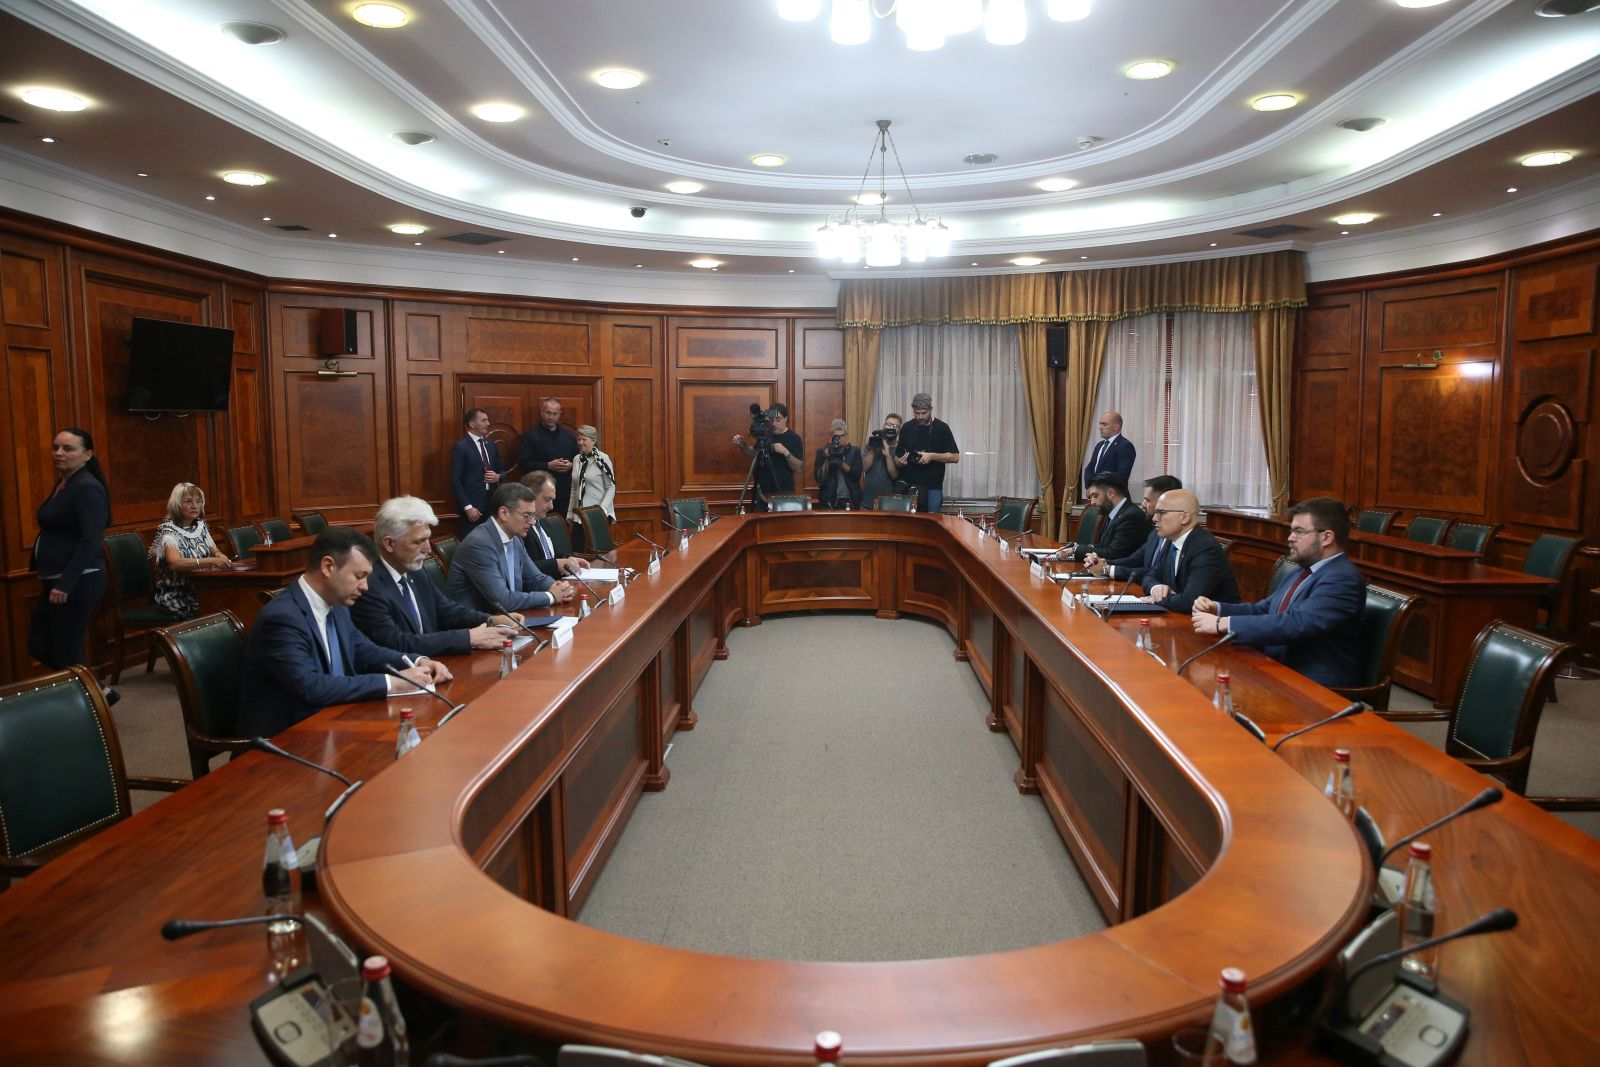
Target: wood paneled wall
{"x": 1498, "y": 432}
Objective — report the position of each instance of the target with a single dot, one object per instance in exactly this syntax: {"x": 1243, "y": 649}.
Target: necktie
{"x": 512, "y": 582}
{"x": 335, "y": 656}
{"x": 1094, "y": 464}
{"x": 411, "y": 600}
{"x": 483, "y": 453}
{"x": 1170, "y": 564}
{"x": 1159, "y": 563}
{"x": 1283, "y": 605}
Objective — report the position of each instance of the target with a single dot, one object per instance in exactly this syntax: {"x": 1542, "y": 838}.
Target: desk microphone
{"x": 1114, "y": 600}
{"x": 663, "y": 552}
{"x": 1489, "y": 796}
{"x": 1212, "y": 647}
{"x": 539, "y": 643}
{"x": 1493, "y": 922}
{"x": 174, "y": 929}
{"x": 600, "y": 601}
{"x": 691, "y": 524}
{"x": 1355, "y": 708}
{"x": 308, "y": 851}
{"x": 1250, "y": 726}
{"x": 430, "y": 690}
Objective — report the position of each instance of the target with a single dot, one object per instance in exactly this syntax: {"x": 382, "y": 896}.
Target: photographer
{"x": 925, "y": 449}
{"x": 881, "y": 469}
{"x": 838, "y": 470}
{"x": 776, "y": 450}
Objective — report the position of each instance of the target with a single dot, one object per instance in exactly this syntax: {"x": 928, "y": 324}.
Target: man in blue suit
{"x": 1112, "y": 454}
{"x": 1136, "y": 563}
{"x": 304, "y": 653}
{"x": 1187, "y": 563}
{"x": 403, "y": 609}
{"x": 1312, "y": 621}
{"x": 492, "y": 567}
{"x": 475, "y": 470}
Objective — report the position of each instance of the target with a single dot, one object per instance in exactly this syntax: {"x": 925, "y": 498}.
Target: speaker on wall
{"x": 1055, "y": 345}
{"x": 337, "y": 333}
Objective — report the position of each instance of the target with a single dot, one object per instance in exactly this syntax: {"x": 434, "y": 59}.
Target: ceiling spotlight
{"x": 636, "y": 266}
{"x": 498, "y": 112}
{"x": 1056, "y": 185}
{"x": 1149, "y": 69}
{"x": 684, "y": 187}
{"x": 210, "y": 198}
{"x": 1359, "y": 218}
{"x": 1363, "y": 125}
{"x": 412, "y": 137}
{"x": 251, "y": 32}
{"x": 54, "y": 99}
{"x": 416, "y": 244}
{"x": 333, "y": 235}
{"x": 499, "y": 251}
{"x": 244, "y": 177}
{"x": 408, "y": 229}
{"x": 1512, "y": 189}
{"x": 619, "y": 79}
{"x": 979, "y": 159}
{"x": 141, "y": 174}
{"x": 48, "y": 140}
{"x": 1213, "y": 244}
{"x": 1438, "y": 214}
{"x": 381, "y": 16}
{"x": 1027, "y": 261}
{"x": 574, "y": 259}
{"x": 1087, "y": 142}
{"x": 1546, "y": 159}
{"x": 705, "y": 264}
{"x": 1275, "y": 102}
{"x": 1083, "y": 257}
{"x": 768, "y": 159}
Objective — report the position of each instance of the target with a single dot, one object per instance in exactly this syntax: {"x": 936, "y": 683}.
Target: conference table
{"x": 464, "y": 862}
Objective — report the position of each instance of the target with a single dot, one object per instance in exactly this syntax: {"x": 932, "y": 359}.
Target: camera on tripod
{"x": 760, "y": 432}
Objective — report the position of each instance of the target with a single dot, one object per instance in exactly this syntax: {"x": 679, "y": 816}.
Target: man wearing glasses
{"x": 1312, "y": 621}
{"x": 491, "y": 567}
{"x": 1185, "y": 564}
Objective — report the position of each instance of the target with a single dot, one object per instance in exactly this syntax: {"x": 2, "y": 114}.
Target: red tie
{"x": 483, "y": 451}
{"x": 1283, "y": 605}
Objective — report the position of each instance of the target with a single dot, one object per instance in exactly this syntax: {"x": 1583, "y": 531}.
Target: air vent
{"x": 470, "y": 238}
{"x": 1283, "y": 229}
{"x": 292, "y": 228}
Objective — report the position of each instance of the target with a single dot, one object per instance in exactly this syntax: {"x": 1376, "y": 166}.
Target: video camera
{"x": 760, "y": 432}
{"x": 884, "y": 438}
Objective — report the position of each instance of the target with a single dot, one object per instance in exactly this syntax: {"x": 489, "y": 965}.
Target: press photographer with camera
{"x": 925, "y": 449}
{"x": 838, "y": 470}
{"x": 775, "y": 450}
{"x": 878, "y": 457}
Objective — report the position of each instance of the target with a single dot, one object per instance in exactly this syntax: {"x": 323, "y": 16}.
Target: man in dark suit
{"x": 540, "y": 548}
{"x": 304, "y": 653}
{"x": 1139, "y": 562}
{"x": 1187, "y": 562}
{"x": 1112, "y": 454}
{"x": 475, "y": 470}
{"x": 404, "y": 610}
{"x": 1123, "y": 526}
{"x": 550, "y": 446}
{"x": 1312, "y": 621}
{"x": 491, "y": 567}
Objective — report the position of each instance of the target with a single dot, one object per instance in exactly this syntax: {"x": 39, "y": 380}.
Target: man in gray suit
{"x": 491, "y": 569}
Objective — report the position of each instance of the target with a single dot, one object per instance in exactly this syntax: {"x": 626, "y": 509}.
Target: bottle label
{"x": 290, "y": 858}
{"x": 369, "y": 1030}
{"x": 655, "y": 566}
{"x": 1232, "y": 1028}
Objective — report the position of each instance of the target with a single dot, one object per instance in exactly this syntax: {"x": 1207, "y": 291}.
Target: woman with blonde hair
{"x": 594, "y": 482}
{"x": 183, "y": 544}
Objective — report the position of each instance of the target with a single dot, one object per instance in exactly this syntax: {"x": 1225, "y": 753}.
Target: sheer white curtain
{"x": 1185, "y": 383}
{"x": 974, "y": 374}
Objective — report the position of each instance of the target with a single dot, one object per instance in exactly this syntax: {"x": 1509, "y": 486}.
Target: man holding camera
{"x": 838, "y": 470}
{"x": 926, "y": 448}
{"x": 776, "y": 450}
{"x": 878, "y": 458}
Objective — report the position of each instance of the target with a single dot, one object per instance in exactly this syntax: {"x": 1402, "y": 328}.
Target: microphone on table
{"x": 430, "y": 690}
{"x": 539, "y": 642}
{"x": 600, "y": 600}
{"x": 1250, "y": 726}
{"x": 307, "y": 852}
{"x": 690, "y": 525}
{"x": 1355, "y": 708}
{"x": 1114, "y": 600}
{"x": 175, "y": 929}
{"x": 1212, "y": 647}
{"x": 662, "y": 552}
{"x": 1495, "y": 921}
{"x": 1390, "y": 881}
{"x": 1491, "y": 795}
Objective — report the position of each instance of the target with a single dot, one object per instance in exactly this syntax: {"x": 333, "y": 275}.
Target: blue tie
{"x": 335, "y": 659}
{"x": 1156, "y": 565}
{"x": 411, "y": 601}
{"x": 512, "y": 577}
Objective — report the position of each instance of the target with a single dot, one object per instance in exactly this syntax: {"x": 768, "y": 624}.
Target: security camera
{"x": 636, "y": 212}
{"x": 1088, "y": 142}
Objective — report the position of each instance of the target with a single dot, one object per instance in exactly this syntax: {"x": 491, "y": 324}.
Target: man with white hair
{"x": 838, "y": 470}
{"x": 405, "y": 611}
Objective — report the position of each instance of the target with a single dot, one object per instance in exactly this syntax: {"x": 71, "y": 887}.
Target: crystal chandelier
{"x": 926, "y": 23}
{"x": 880, "y": 240}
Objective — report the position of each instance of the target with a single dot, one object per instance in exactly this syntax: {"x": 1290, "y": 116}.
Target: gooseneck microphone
{"x": 664, "y": 551}
{"x": 1493, "y": 922}
{"x": 431, "y": 691}
{"x": 1212, "y": 647}
{"x": 267, "y": 746}
{"x": 1489, "y": 796}
{"x": 174, "y": 929}
{"x": 1114, "y": 600}
{"x": 308, "y": 852}
{"x": 600, "y": 601}
{"x": 539, "y": 643}
{"x": 1250, "y": 726}
{"x": 1355, "y": 708}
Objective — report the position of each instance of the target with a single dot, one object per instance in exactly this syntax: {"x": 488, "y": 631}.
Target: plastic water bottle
{"x": 407, "y": 738}
{"x": 1222, "y": 697}
{"x": 829, "y": 1047}
{"x": 1232, "y": 1039}
{"x": 380, "y": 1028}
{"x": 584, "y": 609}
{"x": 266, "y": 536}
{"x": 1341, "y": 787}
{"x": 683, "y": 541}
{"x": 1145, "y": 644}
{"x": 280, "y": 885}
{"x": 1419, "y": 913}
{"x": 508, "y": 658}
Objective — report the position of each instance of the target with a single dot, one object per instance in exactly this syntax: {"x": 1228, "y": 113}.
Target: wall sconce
{"x": 1423, "y": 362}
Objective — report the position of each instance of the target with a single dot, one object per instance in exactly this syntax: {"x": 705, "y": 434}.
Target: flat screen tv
{"x": 178, "y": 366}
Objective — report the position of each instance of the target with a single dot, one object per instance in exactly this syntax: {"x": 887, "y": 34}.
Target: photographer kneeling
{"x": 838, "y": 470}
{"x": 777, "y": 451}
{"x": 881, "y": 468}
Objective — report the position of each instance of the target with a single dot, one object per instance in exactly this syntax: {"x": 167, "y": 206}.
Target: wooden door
{"x": 513, "y": 407}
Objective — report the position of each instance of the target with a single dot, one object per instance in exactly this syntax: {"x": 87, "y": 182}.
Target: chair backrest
{"x": 1503, "y": 692}
{"x": 445, "y": 549}
{"x": 1015, "y": 513}
{"x": 685, "y": 512}
{"x": 311, "y": 522}
{"x": 1088, "y": 526}
{"x": 1281, "y": 571}
{"x": 597, "y": 529}
{"x": 1226, "y": 544}
{"x": 1124, "y": 1053}
{"x": 1548, "y": 557}
{"x": 243, "y": 539}
{"x": 555, "y": 527}
{"x": 1471, "y": 536}
{"x": 596, "y": 1056}
{"x": 206, "y": 656}
{"x": 1382, "y": 620}
{"x": 278, "y": 529}
{"x": 129, "y": 564}
{"x": 789, "y": 502}
{"x": 1374, "y": 521}
{"x": 61, "y": 776}
{"x": 434, "y": 571}
{"x": 1427, "y": 529}
{"x": 892, "y": 502}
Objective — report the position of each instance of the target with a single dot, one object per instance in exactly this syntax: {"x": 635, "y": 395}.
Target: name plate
{"x": 561, "y": 638}
{"x": 1036, "y": 569}
{"x": 616, "y": 595}
{"x": 1068, "y": 597}
{"x": 1005, "y": 546}
{"x": 655, "y": 566}
{"x": 683, "y": 545}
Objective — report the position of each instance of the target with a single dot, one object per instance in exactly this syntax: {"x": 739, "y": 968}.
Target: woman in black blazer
{"x": 68, "y": 554}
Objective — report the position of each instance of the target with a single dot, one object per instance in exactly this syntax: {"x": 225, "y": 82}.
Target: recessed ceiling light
{"x": 791, "y": 270}
{"x": 1438, "y": 214}
{"x": 1344, "y": 233}
{"x": 1420, "y": 3}
{"x": 252, "y": 32}
{"x": 333, "y": 235}
{"x": 979, "y": 159}
{"x": 266, "y": 218}
{"x": 871, "y": 199}
{"x": 412, "y": 137}
{"x": 768, "y": 159}
{"x": 1363, "y": 125}
{"x": 1555, "y": 9}
{"x": 244, "y": 177}
{"x": 1213, "y": 244}
{"x": 1356, "y": 218}
{"x": 1027, "y": 261}
{"x": 381, "y": 16}
{"x": 1275, "y": 102}
{"x": 619, "y": 79}
{"x": 705, "y": 264}
{"x": 1512, "y": 189}
{"x": 1083, "y": 257}
{"x": 498, "y": 112}
{"x": 210, "y": 198}
{"x": 141, "y": 174}
{"x": 499, "y": 251}
{"x": 48, "y": 140}
{"x": 417, "y": 244}
{"x": 1149, "y": 69}
{"x": 684, "y": 187}
{"x": 1547, "y": 159}
{"x": 1056, "y": 185}
{"x": 974, "y": 263}
{"x": 54, "y": 99}
{"x": 574, "y": 259}
{"x": 408, "y": 229}
{"x": 636, "y": 266}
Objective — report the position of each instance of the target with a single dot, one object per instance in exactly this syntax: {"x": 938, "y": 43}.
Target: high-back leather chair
{"x": 555, "y": 527}
{"x": 311, "y": 522}
{"x": 1117, "y": 1053}
{"x": 61, "y": 771}
{"x": 1226, "y": 544}
{"x": 1015, "y": 513}
{"x": 1502, "y": 695}
{"x": 685, "y": 512}
{"x": 893, "y": 502}
{"x": 1471, "y": 536}
{"x": 1374, "y": 521}
{"x": 277, "y": 529}
{"x": 597, "y": 1056}
{"x": 597, "y": 530}
{"x": 1382, "y": 620}
{"x": 435, "y": 573}
{"x": 244, "y": 540}
{"x": 789, "y": 502}
{"x": 445, "y": 549}
{"x": 206, "y": 657}
{"x": 1549, "y": 557}
{"x": 1281, "y": 570}
{"x": 1088, "y": 526}
{"x": 128, "y": 568}
{"x": 1427, "y": 529}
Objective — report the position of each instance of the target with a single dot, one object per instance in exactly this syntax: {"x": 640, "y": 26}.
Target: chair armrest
{"x": 163, "y": 785}
{"x": 19, "y": 866}
{"x": 1567, "y": 803}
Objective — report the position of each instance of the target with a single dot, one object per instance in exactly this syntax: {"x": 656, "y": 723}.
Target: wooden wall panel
{"x": 1450, "y": 319}
{"x": 633, "y": 345}
{"x": 244, "y": 428}
{"x": 1558, "y": 303}
{"x": 534, "y": 341}
{"x": 1434, "y": 437}
{"x": 710, "y": 413}
{"x": 333, "y": 463}
{"x": 731, "y": 345}
{"x": 423, "y": 336}
{"x": 1319, "y": 464}
{"x": 423, "y": 456}
{"x": 633, "y": 442}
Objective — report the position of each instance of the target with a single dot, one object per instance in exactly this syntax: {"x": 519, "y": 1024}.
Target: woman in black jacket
{"x": 68, "y": 554}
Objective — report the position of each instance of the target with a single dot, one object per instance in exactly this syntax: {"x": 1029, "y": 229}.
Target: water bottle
{"x": 683, "y": 541}
{"x": 1222, "y": 698}
{"x": 508, "y": 659}
{"x": 380, "y": 1028}
{"x": 829, "y": 1047}
{"x": 584, "y": 608}
{"x": 1145, "y": 643}
{"x": 1232, "y": 1039}
{"x": 407, "y": 738}
{"x": 1341, "y": 787}
{"x": 280, "y": 885}
{"x": 1419, "y": 912}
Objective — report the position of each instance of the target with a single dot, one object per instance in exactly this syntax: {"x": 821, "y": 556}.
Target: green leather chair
{"x": 311, "y": 522}
{"x": 1549, "y": 557}
{"x": 435, "y": 573}
{"x": 277, "y": 529}
{"x": 1383, "y": 619}
{"x": 1375, "y": 522}
{"x": 555, "y": 528}
{"x": 1427, "y": 529}
{"x": 128, "y": 571}
{"x": 1123, "y": 1052}
{"x": 445, "y": 549}
{"x": 1502, "y": 695}
{"x": 601, "y": 1056}
{"x": 597, "y": 531}
{"x": 206, "y": 657}
{"x": 789, "y": 502}
{"x": 244, "y": 540}
{"x": 1471, "y": 536}
{"x": 685, "y": 512}
{"x": 1088, "y": 526}
{"x": 892, "y": 502}
{"x": 61, "y": 771}
{"x": 1280, "y": 573}
{"x": 1015, "y": 513}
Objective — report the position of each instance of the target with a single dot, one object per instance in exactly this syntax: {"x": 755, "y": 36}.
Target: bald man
{"x": 1186, "y": 562}
{"x": 1112, "y": 454}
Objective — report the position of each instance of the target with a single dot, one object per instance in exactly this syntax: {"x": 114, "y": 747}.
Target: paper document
{"x": 600, "y": 574}
{"x": 1076, "y": 578}
{"x": 520, "y": 643}
{"x": 1111, "y": 598}
{"x": 565, "y": 622}
{"x": 1039, "y": 551}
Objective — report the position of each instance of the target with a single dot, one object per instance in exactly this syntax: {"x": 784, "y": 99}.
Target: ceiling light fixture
{"x": 1275, "y": 102}
{"x": 705, "y": 264}
{"x": 1362, "y": 125}
{"x": 1555, "y": 9}
{"x": 48, "y": 140}
{"x": 1358, "y": 218}
{"x": 209, "y": 197}
{"x": 244, "y": 177}
{"x": 54, "y": 99}
{"x": 882, "y": 241}
{"x": 1027, "y": 261}
{"x": 1149, "y": 69}
{"x": 768, "y": 159}
{"x": 251, "y": 32}
{"x": 1420, "y": 3}
{"x": 408, "y": 229}
{"x": 141, "y": 174}
{"x": 1547, "y": 159}
{"x": 619, "y": 78}
{"x": 926, "y": 24}
{"x": 686, "y": 188}
{"x": 1056, "y": 185}
{"x": 1512, "y": 189}
{"x": 871, "y": 199}
{"x": 498, "y": 112}
{"x": 333, "y": 235}
{"x": 412, "y": 137}
{"x": 381, "y": 16}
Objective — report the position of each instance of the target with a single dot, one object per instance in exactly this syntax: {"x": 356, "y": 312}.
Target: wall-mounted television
{"x": 178, "y": 366}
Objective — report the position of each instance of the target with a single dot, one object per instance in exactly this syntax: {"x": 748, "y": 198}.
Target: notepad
{"x": 600, "y": 574}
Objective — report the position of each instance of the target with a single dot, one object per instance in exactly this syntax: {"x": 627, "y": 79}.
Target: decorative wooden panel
{"x": 1320, "y": 456}
{"x": 632, "y": 440}
{"x": 1445, "y": 320}
{"x": 609, "y": 765}
{"x": 244, "y": 319}
{"x": 423, "y": 336}
{"x": 1557, "y": 304}
{"x": 25, "y": 289}
{"x": 245, "y": 441}
{"x": 821, "y": 401}
{"x": 632, "y": 346}
{"x": 503, "y": 340}
{"x": 821, "y": 346}
{"x": 333, "y": 453}
{"x": 1435, "y": 437}
{"x": 709, "y": 414}
{"x": 1092, "y": 793}
{"x": 30, "y": 400}
{"x": 1329, "y": 331}
{"x": 837, "y": 578}
{"x": 425, "y": 458}
{"x": 1559, "y": 374}
{"x": 731, "y": 347}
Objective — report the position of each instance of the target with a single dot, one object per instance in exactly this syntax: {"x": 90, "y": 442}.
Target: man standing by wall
{"x": 926, "y": 448}
{"x": 550, "y": 446}
{"x": 475, "y": 470}
{"x": 1112, "y": 454}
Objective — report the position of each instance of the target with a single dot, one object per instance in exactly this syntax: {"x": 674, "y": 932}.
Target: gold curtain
{"x": 992, "y": 300}
{"x": 1233, "y": 283}
{"x": 1274, "y": 330}
{"x": 1086, "y": 359}
{"x": 1041, "y": 414}
{"x": 860, "y": 377}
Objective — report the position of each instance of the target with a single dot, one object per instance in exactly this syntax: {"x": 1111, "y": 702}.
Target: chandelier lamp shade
{"x": 879, "y": 239}
{"x": 926, "y": 24}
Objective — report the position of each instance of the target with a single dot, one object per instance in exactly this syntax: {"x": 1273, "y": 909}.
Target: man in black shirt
{"x": 838, "y": 470}
{"x": 775, "y": 471}
{"x": 925, "y": 448}
{"x": 550, "y": 446}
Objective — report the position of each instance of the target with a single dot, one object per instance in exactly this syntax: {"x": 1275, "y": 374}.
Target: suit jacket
{"x": 286, "y": 677}
{"x": 466, "y": 476}
{"x": 72, "y": 528}
{"x": 382, "y": 615}
{"x": 1320, "y": 634}
{"x": 544, "y": 561}
{"x": 1203, "y": 570}
{"x": 1117, "y": 459}
{"x": 1135, "y": 564}
{"x": 1122, "y": 535}
{"x": 478, "y": 574}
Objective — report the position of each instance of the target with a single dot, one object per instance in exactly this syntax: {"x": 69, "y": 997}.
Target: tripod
{"x": 763, "y": 457}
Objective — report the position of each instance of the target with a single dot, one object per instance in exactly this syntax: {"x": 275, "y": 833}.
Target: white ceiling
{"x": 1181, "y": 165}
